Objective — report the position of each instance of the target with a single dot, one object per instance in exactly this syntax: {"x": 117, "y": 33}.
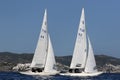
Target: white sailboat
{"x": 83, "y": 61}
{"x": 43, "y": 62}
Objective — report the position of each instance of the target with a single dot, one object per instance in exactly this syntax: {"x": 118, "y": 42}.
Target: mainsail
{"x": 50, "y": 61}
{"x": 41, "y": 49}
{"x": 90, "y": 63}
{"x": 80, "y": 49}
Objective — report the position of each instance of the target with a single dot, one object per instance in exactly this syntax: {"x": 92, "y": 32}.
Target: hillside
{"x": 8, "y": 60}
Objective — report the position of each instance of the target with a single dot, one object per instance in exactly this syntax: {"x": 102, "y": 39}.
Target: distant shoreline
{"x": 8, "y": 60}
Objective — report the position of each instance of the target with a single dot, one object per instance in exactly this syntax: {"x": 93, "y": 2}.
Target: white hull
{"x": 83, "y": 74}
{"x": 40, "y": 73}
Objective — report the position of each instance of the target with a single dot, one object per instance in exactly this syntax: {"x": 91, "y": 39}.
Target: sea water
{"x": 18, "y": 76}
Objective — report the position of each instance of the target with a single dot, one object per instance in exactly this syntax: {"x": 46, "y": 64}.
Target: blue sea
{"x": 18, "y": 76}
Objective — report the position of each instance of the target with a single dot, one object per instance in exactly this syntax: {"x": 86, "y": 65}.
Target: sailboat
{"x": 83, "y": 61}
{"x": 43, "y": 62}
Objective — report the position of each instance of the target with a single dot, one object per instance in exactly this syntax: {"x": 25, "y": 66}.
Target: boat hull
{"x": 83, "y": 74}
{"x": 40, "y": 73}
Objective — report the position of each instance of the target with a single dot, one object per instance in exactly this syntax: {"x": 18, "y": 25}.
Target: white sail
{"x": 90, "y": 63}
{"x": 39, "y": 58}
{"x": 80, "y": 51}
{"x": 50, "y": 62}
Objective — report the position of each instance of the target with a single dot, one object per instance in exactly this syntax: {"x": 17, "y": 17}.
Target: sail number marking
{"x": 82, "y": 30}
